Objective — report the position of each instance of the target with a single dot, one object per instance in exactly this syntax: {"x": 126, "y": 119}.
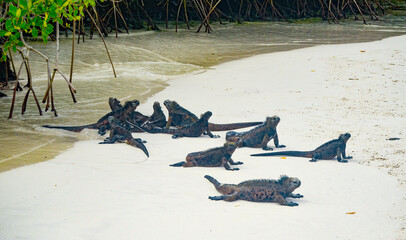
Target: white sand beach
{"x": 95, "y": 191}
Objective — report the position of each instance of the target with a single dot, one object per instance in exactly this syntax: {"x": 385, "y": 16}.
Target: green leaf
{"x": 44, "y": 38}
{"x": 9, "y": 25}
{"x": 14, "y": 48}
{"x": 2, "y": 33}
{"x": 34, "y": 32}
{"x": 53, "y": 14}
{"x": 25, "y": 26}
{"x": 12, "y": 10}
{"x": 13, "y": 38}
{"x": 49, "y": 29}
{"x": 65, "y": 4}
{"x": 23, "y": 3}
{"x": 18, "y": 13}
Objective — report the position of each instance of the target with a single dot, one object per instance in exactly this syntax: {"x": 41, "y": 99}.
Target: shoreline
{"x": 319, "y": 92}
{"x": 258, "y": 43}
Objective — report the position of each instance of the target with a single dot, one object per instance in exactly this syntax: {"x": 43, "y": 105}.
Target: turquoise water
{"x": 145, "y": 62}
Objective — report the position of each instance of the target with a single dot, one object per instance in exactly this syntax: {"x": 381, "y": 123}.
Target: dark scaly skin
{"x": 214, "y": 157}
{"x": 114, "y": 104}
{"x": 134, "y": 117}
{"x": 102, "y": 124}
{"x": 157, "y": 119}
{"x": 257, "y": 137}
{"x": 258, "y": 190}
{"x": 179, "y": 116}
{"x": 118, "y": 133}
{"x": 327, "y": 151}
{"x": 194, "y": 129}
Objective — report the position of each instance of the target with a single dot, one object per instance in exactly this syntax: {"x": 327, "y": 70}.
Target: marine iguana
{"x": 257, "y": 137}
{"x": 327, "y": 151}
{"x": 118, "y": 133}
{"x": 194, "y": 129}
{"x": 179, "y": 116}
{"x": 134, "y": 117}
{"x": 102, "y": 124}
{"x": 259, "y": 190}
{"x": 114, "y": 104}
{"x": 214, "y": 157}
{"x": 157, "y": 119}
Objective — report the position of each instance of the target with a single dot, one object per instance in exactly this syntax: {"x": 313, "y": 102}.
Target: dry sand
{"x": 97, "y": 191}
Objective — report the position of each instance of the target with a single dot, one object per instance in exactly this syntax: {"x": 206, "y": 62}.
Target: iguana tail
{"x": 231, "y": 126}
{"x": 179, "y": 164}
{"x": 138, "y": 144}
{"x": 71, "y": 128}
{"x": 286, "y": 153}
{"x": 212, "y": 180}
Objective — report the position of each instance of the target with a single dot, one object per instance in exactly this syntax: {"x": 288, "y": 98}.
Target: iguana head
{"x": 272, "y": 121}
{"x": 205, "y": 116}
{"x": 157, "y": 106}
{"x": 344, "y": 137}
{"x": 131, "y": 105}
{"x": 290, "y": 183}
{"x": 230, "y": 146}
{"x": 170, "y": 104}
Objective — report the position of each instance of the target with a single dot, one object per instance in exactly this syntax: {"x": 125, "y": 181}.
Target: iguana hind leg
{"x": 112, "y": 140}
{"x": 228, "y": 198}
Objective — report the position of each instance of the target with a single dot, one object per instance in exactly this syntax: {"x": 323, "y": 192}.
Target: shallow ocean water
{"x": 145, "y": 62}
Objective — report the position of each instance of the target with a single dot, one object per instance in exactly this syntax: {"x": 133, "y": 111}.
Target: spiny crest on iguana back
{"x": 282, "y": 179}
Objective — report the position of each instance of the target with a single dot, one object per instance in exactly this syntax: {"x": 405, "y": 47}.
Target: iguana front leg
{"x": 211, "y": 134}
{"x": 169, "y": 122}
{"x": 231, "y": 161}
{"x": 339, "y": 153}
{"x": 264, "y": 143}
{"x": 343, "y": 153}
{"x": 224, "y": 162}
{"x": 282, "y": 201}
{"x": 276, "y": 141}
{"x": 294, "y": 195}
